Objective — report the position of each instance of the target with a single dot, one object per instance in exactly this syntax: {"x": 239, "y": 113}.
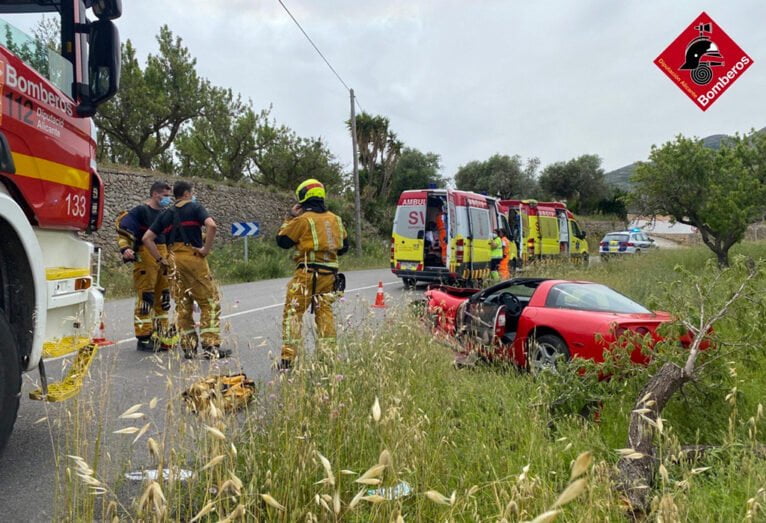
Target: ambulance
{"x": 541, "y": 230}
{"x": 444, "y": 236}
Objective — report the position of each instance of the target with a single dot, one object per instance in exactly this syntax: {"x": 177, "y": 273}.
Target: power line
{"x": 314, "y": 45}
{"x": 337, "y": 75}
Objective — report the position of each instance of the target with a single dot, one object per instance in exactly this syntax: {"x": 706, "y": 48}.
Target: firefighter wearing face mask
{"x": 150, "y": 317}
{"x": 318, "y": 237}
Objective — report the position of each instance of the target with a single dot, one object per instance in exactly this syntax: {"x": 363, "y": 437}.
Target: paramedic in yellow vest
{"x": 496, "y": 253}
{"x": 318, "y": 237}
{"x": 504, "y": 268}
{"x": 150, "y": 316}
{"x": 192, "y": 280}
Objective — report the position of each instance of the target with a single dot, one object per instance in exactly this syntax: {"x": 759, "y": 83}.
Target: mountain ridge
{"x": 620, "y": 178}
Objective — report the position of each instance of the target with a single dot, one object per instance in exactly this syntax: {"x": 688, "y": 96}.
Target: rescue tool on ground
{"x": 50, "y": 191}
{"x": 318, "y": 237}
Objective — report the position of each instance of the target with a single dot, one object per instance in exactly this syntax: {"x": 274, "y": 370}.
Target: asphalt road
{"x": 122, "y": 377}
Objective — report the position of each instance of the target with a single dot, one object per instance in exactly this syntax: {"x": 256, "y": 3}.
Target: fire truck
{"x": 50, "y": 194}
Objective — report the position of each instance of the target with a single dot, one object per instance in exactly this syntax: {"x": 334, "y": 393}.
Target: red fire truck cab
{"x": 50, "y": 190}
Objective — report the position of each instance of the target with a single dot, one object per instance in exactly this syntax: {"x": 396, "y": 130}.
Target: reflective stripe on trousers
{"x": 193, "y": 282}
{"x": 298, "y": 300}
{"x": 152, "y": 294}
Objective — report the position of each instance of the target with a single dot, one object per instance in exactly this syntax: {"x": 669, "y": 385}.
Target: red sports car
{"x": 533, "y": 322}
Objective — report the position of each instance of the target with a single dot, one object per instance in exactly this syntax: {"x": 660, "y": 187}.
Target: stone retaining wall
{"x": 225, "y": 203}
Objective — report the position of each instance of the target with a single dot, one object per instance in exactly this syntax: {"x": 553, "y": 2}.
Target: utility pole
{"x": 357, "y": 200}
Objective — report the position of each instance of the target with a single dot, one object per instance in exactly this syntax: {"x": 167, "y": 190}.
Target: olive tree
{"x": 720, "y": 192}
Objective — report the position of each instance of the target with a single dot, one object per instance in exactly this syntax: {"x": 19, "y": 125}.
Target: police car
{"x": 633, "y": 241}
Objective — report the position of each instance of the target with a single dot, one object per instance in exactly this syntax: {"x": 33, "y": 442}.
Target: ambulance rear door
{"x": 563, "y": 221}
{"x": 480, "y": 230}
{"x": 408, "y": 235}
{"x": 454, "y": 256}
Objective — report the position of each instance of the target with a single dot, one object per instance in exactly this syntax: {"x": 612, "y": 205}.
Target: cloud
{"x": 465, "y": 80}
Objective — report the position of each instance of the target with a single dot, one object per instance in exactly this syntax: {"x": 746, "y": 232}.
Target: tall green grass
{"x": 477, "y": 444}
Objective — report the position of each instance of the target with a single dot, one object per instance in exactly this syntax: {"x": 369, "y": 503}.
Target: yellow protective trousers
{"x": 150, "y": 316}
{"x": 193, "y": 282}
{"x": 298, "y": 300}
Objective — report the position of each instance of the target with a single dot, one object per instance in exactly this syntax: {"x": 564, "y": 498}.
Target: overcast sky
{"x": 469, "y": 78}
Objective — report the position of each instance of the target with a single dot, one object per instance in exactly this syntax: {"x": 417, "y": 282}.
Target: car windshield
{"x": 521, "y": 291}
{"x": 615, "y": 237}
{"x": 591, "y": 297}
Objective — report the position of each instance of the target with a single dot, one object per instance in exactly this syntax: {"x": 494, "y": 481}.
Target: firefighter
{"x": 496, "y": 254}
{"x": 318, "y": 237}
{"x": 504, "y": 269}
{"x": 192, "y": 280}
{"x": 150, "y": 317}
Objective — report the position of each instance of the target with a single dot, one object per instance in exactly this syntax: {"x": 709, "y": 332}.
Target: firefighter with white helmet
{"x": 318, "y": 237}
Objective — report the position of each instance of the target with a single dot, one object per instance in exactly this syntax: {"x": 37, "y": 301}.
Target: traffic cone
{"x": 101, "y": 340}
{"x": 380, "y": 299}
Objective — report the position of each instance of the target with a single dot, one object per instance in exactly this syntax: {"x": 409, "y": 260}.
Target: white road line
{"x": 249, "y": 311}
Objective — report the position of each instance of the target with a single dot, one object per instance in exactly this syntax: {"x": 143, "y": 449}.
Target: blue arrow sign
{"x": 245, "y": 229}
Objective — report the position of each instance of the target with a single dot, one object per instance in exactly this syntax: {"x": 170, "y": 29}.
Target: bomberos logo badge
{"x": 703, "y": 61}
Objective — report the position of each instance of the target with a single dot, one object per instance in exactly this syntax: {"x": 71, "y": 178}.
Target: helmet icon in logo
{"x": 702, "y": 54}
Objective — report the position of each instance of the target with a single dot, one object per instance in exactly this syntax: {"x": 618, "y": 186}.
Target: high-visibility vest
{"x": 318, "y": 237}
{"x": 497, "y": 248}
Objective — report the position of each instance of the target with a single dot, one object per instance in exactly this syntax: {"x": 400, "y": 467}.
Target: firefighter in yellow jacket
{"x": 318, "y": 237}
{"x": 192, "y": 280}
{"x": 150, "y": 317}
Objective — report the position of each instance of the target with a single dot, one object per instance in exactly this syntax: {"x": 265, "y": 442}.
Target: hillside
{"x": 620, "y": 178}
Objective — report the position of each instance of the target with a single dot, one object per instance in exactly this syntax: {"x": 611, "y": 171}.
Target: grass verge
{"x": 472, "y": 445}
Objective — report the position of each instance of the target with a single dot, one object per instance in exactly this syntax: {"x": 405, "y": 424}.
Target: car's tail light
{"x": 643, "y": 331}
{"x": 630, "y": 244}
{"x": 603, "y": 244}
{"x": 459, "y": 250}
{"x": 619, "y": 331}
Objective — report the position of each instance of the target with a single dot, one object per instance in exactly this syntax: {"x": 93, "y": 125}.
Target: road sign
{"x": 245, "y": 229}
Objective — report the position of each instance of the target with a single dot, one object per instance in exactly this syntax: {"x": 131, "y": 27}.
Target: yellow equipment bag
{"x": 227, "y": 392}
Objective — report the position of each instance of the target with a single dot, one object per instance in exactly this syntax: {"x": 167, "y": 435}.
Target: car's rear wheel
{"x": 546, "y": 352}
{"x": 409, "y": 283}
{"x": 10, "y": 381}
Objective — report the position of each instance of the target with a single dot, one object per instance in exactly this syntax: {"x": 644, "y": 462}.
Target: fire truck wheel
{"x": 10, "y": 381}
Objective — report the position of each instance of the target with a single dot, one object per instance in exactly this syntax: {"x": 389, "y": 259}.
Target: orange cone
{"x": 380, "y": 299}
{"x": 101, "y": 340}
